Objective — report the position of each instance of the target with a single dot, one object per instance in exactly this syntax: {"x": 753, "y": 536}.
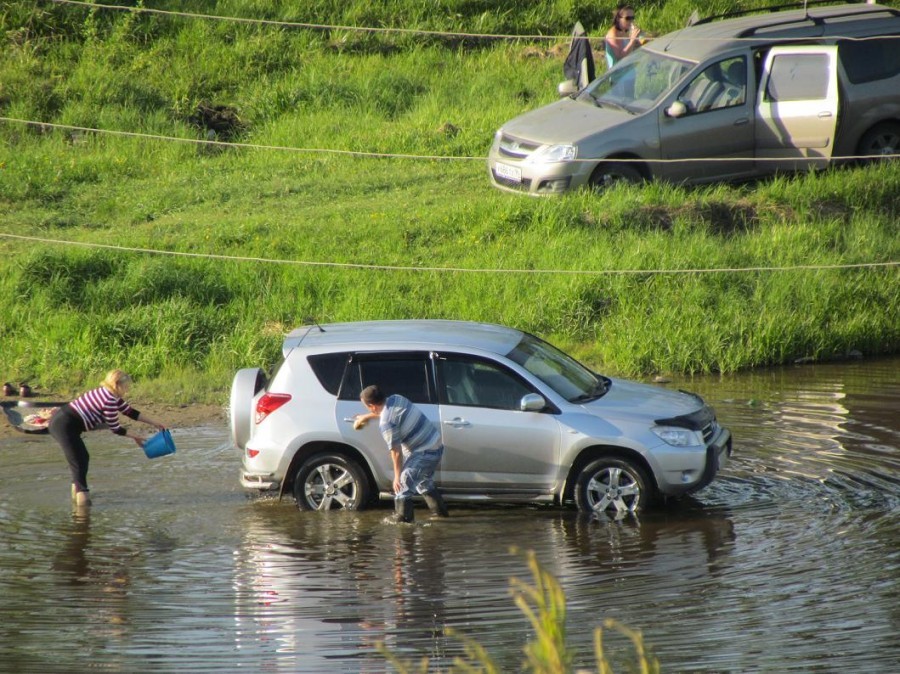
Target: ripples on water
{"x": 789, "y": 562}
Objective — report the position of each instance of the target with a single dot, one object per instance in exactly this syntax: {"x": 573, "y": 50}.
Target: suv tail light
{"x": 269, "y": 403}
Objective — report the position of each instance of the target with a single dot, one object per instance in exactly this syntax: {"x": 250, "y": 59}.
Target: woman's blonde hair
{"x": 116, "y": 381}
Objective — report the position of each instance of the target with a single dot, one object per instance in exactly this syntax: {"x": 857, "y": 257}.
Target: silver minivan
{"x": 722, "y": 99}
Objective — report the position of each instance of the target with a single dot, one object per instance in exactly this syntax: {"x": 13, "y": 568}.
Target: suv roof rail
{"x": 776, "y": 8}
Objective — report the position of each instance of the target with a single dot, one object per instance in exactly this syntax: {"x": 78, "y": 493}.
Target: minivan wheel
{"x": 331, "y": 482}
{"x": 607, "y": 175}
{"x": 612, "y": 483}
{"x": 882, "y": 140}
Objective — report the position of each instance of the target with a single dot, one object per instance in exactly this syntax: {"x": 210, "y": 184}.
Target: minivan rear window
{"x": 870, "y": 60}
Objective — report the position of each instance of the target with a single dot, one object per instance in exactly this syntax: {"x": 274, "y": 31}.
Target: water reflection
{"x": 788, "y": 562}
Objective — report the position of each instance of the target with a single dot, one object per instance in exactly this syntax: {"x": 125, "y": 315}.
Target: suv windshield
{"x": 637, "y": 82}
{"x": 563, "y": 374}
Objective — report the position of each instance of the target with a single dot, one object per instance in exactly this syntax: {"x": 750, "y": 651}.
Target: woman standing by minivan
{"x": 624, "y": 36}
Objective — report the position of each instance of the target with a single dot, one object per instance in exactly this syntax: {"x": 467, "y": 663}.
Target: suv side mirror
{"x": 532, "y": 402}
{"x": 676, "y": 110}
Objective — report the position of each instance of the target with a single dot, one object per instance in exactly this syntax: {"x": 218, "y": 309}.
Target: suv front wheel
{"x": 612, "y": 483}
{"x": 331, "y": 482}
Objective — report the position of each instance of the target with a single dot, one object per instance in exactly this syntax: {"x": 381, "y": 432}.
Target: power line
{"x": 465, "y": 270}
{"x": 401, "y": 31}
{"x": 312, "y": 26}
{"x": 398, "y": 155}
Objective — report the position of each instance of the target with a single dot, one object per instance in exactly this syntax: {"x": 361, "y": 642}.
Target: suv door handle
{"x": 458, "y": 422}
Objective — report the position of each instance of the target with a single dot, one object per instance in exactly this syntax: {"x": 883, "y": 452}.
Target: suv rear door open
{"x": 797, "y": 108}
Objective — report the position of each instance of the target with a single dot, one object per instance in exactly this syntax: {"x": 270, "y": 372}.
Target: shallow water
{"x": 789, "y": 562}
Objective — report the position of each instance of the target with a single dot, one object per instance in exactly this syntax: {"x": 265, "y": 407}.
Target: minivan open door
{"x": 797, "y": 108}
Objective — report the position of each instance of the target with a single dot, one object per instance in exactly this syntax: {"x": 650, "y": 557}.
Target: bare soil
{"x": 174, "y": 416}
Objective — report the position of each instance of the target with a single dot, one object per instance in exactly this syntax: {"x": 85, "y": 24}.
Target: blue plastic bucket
{"x": 159, "y": 445}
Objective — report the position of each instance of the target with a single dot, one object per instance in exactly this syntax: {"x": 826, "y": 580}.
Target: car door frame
{"x": 469, "y": 431}
{"x": 368, "y": 440}
{"x": 796, "y": 134}
{"x": 685, "y": 140}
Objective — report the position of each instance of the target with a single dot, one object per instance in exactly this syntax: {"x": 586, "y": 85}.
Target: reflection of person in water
{"x": 419, "y": 591}
{"x": 111, "y": 578}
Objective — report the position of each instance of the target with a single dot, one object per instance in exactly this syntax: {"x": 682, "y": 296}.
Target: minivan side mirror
{"x": 532, "y": 402}
{"x": 567, "y": 88}
{"x": 676, "y": 110}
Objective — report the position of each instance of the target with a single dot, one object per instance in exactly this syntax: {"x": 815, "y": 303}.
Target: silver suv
{"x": 520, "y": 420}
{"x": 721, "y": 99}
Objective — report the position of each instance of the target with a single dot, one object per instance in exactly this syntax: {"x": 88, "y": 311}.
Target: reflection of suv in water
{"x": 721, "y": 99}
{"x": 519, "y": 419}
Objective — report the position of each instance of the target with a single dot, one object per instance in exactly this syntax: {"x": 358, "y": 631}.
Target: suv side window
{"x": 478, "y": 382}
{"x": 721, "y": 85}
{"x": 406, "y": 374}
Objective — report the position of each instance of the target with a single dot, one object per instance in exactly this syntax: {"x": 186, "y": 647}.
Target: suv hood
{"x": 564, "y": 122}
{"x": 633, "y": 399}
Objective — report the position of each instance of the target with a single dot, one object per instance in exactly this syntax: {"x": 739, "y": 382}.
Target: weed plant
{"x": 271, "y": 238}
{"x": 547, "y": 651}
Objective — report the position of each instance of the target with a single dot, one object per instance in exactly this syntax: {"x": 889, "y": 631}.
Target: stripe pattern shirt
{"x": 402, "y": 423}
{"x": 102, "y": 406}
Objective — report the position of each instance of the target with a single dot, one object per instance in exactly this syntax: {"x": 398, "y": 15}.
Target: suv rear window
{"x": 329, "y": 369}
{"x": 406, "y": 374}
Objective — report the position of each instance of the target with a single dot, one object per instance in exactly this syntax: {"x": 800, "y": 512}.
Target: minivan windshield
{"x": 637, "y": 82}
{"x": 563, "y": 374}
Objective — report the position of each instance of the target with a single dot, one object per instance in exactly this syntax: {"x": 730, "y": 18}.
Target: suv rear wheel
{"x": 331, "y": 482}
{"x": 612, "y": 483}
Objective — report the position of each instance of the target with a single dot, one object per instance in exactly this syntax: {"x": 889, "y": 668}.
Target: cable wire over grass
{"x": 471, "y": 270}
{"x": 399, "y": 155}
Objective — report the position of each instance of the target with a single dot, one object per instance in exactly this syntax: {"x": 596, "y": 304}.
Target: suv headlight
{"x": 677, "y": 437}
{"x": 554, "y": 153}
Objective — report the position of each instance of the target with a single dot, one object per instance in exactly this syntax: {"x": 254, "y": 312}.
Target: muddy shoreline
{"x": 186, "y": 415}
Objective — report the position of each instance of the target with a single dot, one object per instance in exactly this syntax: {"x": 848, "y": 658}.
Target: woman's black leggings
{"x": 66, "y": 427}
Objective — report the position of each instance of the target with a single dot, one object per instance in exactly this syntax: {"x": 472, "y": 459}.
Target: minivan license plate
{"x": 513, "y": 173}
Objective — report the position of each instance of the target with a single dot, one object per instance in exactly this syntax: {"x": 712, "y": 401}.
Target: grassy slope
{"x": 70, "y": 313}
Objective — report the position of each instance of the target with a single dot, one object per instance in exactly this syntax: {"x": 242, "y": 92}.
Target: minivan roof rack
{"x": 771, "y": 8}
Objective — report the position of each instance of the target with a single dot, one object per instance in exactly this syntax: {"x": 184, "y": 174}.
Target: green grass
{"x": 185, "y": 324}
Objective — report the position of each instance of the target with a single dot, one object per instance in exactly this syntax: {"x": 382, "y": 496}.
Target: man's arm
{"x": 363, "y": 419}
{"x": 397, "y": 459}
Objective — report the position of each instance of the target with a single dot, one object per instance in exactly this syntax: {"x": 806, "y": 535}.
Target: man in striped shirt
{"x": 416, "y": 449}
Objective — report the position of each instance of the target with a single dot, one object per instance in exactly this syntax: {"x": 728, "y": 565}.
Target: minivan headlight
{"x": 677, "y": 437}
{"x": 555, "y": 153}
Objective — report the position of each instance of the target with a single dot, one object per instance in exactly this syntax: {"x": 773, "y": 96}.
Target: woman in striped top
{"x": 89, "y": 411}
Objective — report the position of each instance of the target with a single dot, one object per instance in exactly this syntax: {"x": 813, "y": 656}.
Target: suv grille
{"x": 709, "y": 431}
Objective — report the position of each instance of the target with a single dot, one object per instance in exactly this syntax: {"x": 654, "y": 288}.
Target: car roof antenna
{"x": 311, "y": 319}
